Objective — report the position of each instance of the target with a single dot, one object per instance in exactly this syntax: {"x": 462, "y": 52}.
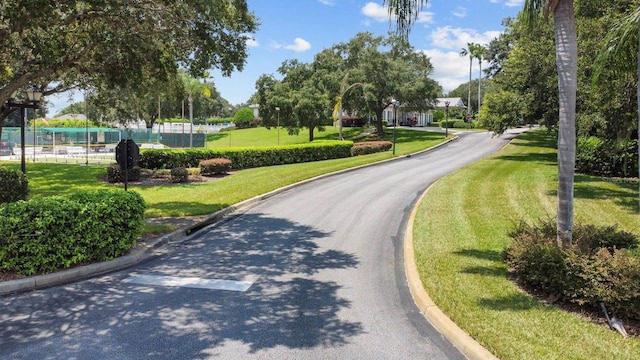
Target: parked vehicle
{"x": 6, "y": 148}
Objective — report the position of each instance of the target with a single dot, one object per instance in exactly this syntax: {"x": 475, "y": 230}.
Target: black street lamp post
{"x": 446, "y": 119}
{"x": 34, "y": 96}
{"x": 396, "y": 104}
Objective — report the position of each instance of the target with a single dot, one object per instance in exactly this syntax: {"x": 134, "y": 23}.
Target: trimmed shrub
{"x": 14, "y": 185}
{"x": 242, "y": 158}
{"x": 115, "y": 173}
{"x": 215, "y": 166}
{"x": 47, "y": 234}
{"x": 370, "y": 147}
{"x": 179, "y": 175}
{"x": 597, "y": 268}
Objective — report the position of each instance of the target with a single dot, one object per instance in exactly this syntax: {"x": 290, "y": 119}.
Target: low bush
{"x": 370, "y": 147}
{"x": 460, "y": 124}
{"x": 599, "y": 157}
{"x": 179, "y": 175}
{"x": 597, "y": 268}
{"x": 115, "y": 173}
{"x": 215, "y": 166}
{"x": 14, "y": 185}
{"x": 50, "y": 233}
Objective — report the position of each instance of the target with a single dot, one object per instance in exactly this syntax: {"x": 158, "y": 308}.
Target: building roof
{"x": 455, "y": 102}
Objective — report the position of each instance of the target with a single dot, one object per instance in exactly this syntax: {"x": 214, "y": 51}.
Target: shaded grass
{"x": 461, "y": 230}
{"x": 261, "y": 136}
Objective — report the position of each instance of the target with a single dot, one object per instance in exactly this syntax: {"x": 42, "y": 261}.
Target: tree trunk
{"x": 479, "y": 81}
{"x": 567, "y": 63}
{"x": 638, "y": 97}
{"x": 469, "y": 98}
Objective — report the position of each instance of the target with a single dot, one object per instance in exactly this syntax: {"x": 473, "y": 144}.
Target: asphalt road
{"x": 312, "y": 273}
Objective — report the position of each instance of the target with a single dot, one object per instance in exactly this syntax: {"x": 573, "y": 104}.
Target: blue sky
{"x": 298, "y": 29}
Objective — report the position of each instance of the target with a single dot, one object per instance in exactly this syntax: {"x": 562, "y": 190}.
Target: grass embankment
{"x": 461, "y": 230}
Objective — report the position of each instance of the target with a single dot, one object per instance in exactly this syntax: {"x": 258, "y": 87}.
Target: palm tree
{"x": 479, "y": 51}
{"x": 567, "y": 63}
{"x": 193, "y": 86}
{"x": 622, "y": 50}
{"x": 404, "y": 13}
{"x": 469, "y": 52}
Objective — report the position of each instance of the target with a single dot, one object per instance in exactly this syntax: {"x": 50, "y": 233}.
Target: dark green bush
{"x": 179, "y": 175}
{"x": 596, "y": 156}
{"x": 370, "y": 147}
{"x": 249, "y": 157}
{"x": 115, "y": 173}
{"x": 47, "y": 234}
{"x": 597, "y": 268}
{"x": 460, "y": 124}
{"x": 215, "y": 166}
{"x": 14, "y": 185}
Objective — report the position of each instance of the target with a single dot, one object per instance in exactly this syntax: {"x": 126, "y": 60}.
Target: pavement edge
{"x": 467, "y": 345}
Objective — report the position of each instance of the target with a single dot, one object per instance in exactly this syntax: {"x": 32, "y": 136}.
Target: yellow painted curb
{"x": 468, "y": 346}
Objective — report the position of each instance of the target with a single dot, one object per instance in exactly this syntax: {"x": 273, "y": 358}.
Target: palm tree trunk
{"x": 469, "y": 98}
{"x": 479, "y": 81}
{"x": 638, "y": 97}
{"x": 567, "y": 63}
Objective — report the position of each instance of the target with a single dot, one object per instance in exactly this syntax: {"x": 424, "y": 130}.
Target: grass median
{"x": 461, "y": 230}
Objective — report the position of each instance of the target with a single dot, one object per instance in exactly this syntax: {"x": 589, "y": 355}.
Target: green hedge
{"x": 14, "y": 185}
{"x": 458, "y": 124}
{"x": 596, "y": 156}
{"x": 47, "y": 234}
{"x": 249, "y": 157}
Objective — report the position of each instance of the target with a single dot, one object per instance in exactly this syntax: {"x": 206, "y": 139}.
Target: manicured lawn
{"x": 461, "y": 231}
{"x": 206, "y": 198}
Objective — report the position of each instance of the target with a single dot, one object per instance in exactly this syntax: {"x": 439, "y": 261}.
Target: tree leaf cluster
{"x": 523, "y": 63}
{"x": 115, "y": 44}
{"x": 365, "y": 74}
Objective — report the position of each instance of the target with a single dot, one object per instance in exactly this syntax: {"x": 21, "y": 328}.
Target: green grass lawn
{"x": 206, "y": 198}
{"x": 459, "y": 233}
{"x": 461, "y": 230}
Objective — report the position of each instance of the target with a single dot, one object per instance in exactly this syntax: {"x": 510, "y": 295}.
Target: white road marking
{"x": 191, "y": 282}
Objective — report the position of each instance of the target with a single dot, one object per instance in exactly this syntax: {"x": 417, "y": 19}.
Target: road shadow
{"x": 285, "y": 307}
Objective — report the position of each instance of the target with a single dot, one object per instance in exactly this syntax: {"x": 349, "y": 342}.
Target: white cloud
{"x": 327, "y": 2}
{"x": 450, "y": 69}
{"x": 460, "y": 12}
{"x": 252, "y": 42}
{"x": 457, "y": 38}
{"x": 299, "y": 45}
{"x": 376, "y": 11}
{"x": 514, "y": 3}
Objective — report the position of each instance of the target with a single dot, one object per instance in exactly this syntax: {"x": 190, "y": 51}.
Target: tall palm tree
{"x": 469, "y": 52}
{"x": 193, "y": 86}
{"x": 567, "y": 63}
{"x": 622, "y": 51}
{"x": 479, "y": 51}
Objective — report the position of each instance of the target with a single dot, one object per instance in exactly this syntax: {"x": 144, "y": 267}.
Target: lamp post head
{"x": 34, "y": 95}
{"x": 446, "y": 103}
{"x": 277, "y": 108}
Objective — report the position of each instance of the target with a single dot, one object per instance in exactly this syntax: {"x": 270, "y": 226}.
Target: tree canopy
{"x": 62, "y": 44}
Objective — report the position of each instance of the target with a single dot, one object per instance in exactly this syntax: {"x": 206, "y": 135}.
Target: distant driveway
{"x": 313, "y": 273}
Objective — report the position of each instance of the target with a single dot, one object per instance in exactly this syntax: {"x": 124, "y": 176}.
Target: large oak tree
{"x": 62, "y": 44}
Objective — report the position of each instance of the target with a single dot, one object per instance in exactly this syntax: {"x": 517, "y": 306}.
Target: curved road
{"x": 312, "y": 273}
